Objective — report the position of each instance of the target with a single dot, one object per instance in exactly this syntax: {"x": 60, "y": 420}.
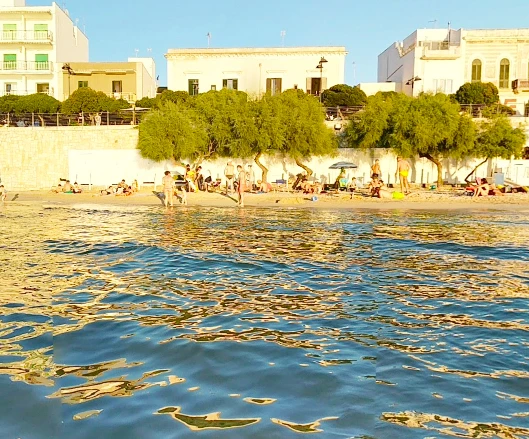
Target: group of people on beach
{"x": 67, "y": 188}
{"x": 121, "y": 189}
{"x": 378, "y": 188}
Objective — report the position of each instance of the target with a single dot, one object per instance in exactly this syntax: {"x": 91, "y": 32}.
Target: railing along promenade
{"x": 63, "y": 120}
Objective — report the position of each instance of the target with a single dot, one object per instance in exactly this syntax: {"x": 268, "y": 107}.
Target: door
{"x": 315, "y": 86}
{"x": 43, "y": 88}
{"x": 117, "y": 89}
{"x": 41, "y": 31}
{"x": 41, "y": 61}
{"x": 10, "y": 61}
{"x": 9, "y": 32}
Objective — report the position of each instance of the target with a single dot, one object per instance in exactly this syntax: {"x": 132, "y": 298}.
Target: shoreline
{"x": 418, "y": 200}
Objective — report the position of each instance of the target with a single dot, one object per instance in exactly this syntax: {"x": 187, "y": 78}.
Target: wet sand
{"x": 418, "y": 200}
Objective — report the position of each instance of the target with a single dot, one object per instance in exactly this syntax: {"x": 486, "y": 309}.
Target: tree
{"x": 37, "y": 103}
{"x": 172, "y": 132}
{"x": 8, "y": 103}
{"x": 146, "y": 103}
{"x": 497, "y": 138}
{"x": 429, "y": 126}
{"x": 305, "y": 133}
{"x": 87, "y": 100}
{"x": 343, "y": 95}
{"x": 173, "y": 96}
{"x": 477, "y": 93}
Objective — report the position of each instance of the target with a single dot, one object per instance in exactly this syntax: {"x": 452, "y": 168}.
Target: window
{"x": 40, "y": 31}
{"x": 82, "y": 84}
{"x": 504, "y": 73}
{"x": 476, "y": 70}
{"x": 10, "y": 61}
{"x": 230, "y": 84}
{"x": 117, "y": 88}
{"x": 214, "y": 87}
{"x": 442, "y": 86}
{"x": 9, "y": 32}
{"x": 10, "y": 88}
{"x": 192, "y": 87}
{"x": 41, "y": 61}
{"x": 314, "y": 86}
{"x": 43, "y": 88}
{"x": 273, "y": 86}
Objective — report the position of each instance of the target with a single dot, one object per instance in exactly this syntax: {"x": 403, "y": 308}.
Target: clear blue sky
{"x": 116, "y": 28}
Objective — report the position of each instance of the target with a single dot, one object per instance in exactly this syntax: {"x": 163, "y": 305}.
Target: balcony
{"x": 26, "y": 36}
{"x": 520, "y": 85}
{"x": 127, "y": 96}
{"x": 48, "y": 92}
{"x": 26, "y": 67}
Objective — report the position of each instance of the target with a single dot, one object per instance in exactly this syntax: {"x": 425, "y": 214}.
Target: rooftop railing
{"x": 65, "y": 120}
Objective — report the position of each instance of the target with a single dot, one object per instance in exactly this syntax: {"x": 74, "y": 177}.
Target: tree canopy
{"x": 88, "y": 100}
{"x": 227, "y": 123}
{"x": 429, "y": 126}
{"x": 477, "y": 93}
{"x": 343, "y": 95}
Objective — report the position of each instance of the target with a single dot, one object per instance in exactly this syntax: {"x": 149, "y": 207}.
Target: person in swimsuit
{"x": 241, "y": 187}
{"x": 403, "y": 169}
{"x": 3, "y": 193}
{"x": 375, "y": 169}
{"x": 168, "y": 188}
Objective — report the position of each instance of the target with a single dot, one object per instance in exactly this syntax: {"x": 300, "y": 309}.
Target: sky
{"x": 117, "y": 28}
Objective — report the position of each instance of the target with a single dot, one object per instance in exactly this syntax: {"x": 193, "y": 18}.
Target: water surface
{"x": 220, "y": 323}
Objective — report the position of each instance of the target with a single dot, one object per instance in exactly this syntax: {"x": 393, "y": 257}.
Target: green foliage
{"x": 343, "y": 95}
{"x": 173, "y": 96}
{"x": 87, "y": 100}
{"x": 147, "y": 103}
{"x": 37, "y": 103}
{"x": 477, "y": 93}
{"x": 8, "y": 103}
{"x": 429, "y": 126}
{"x": 173, "y": 131}
{"x": 497, "y": 138}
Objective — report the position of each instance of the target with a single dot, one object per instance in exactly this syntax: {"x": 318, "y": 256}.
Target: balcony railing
{"x": 26, "y": 36}
{"x": 128, "y": 96}
{"x": 26, "y": 92}
{"x": 26, "y": 66}
{"x": 443, "y": 52}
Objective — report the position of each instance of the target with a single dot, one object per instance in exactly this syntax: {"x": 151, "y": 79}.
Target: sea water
{"x": 143, "y": 322}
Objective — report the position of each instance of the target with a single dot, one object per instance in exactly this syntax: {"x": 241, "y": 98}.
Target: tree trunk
{"x": 305, "y": 168}
{"x": 264, "y": 169}
{"x": 439, "y": 168}
{"x": 475, "y": 169}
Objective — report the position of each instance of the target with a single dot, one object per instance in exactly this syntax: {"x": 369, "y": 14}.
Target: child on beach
{"x": 183, "y": 195}
{"x": 3, "y": 193}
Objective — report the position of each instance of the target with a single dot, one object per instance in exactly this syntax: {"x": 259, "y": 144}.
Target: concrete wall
{"x": 35, "y": 158}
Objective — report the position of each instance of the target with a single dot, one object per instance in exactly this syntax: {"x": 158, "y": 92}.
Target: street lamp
{"x": 320, "y": 66}
{"x": 67, "y": 68}
{"x": 412, "y": 82}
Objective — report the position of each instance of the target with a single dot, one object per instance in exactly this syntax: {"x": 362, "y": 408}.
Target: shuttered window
{"x": 41, "y": 61}
{"x": 274, "y": 86}
{"x": 41, "y": 31}
{"x": 10, "y": 61}
{"x": 192, "y": 87}
{"x": 9, "y": 31}
{"x": 230, "y": 84}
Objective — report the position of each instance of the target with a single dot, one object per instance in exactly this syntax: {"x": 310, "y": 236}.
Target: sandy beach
{"x": 418, "y": 200}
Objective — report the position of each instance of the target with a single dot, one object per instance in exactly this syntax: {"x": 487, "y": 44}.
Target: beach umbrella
{"x": 345, "y": 165}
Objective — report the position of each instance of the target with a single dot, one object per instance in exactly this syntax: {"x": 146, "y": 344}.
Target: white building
{"x": 443, "y": 60}
{"x": 256, "y": 70}
{"x": 35, "y": 41}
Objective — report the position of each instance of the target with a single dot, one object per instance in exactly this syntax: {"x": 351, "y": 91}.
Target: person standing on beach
{"x": 241, "y": 186}
{"x": 376, "y": 172}
{"x": 168, "y": 188}
{"x": 403, "y": 169}
{"x": 3, "y": 193}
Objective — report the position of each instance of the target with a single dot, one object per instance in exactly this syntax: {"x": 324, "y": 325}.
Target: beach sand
{"x": 418, "y": 200}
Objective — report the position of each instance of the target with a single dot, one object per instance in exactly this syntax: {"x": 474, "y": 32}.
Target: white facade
{"x": 372, "y": 88}
{"x": 433, "y": 60}
{"x": 146, "y": 83}
{"x": 255, "y": 70}
{"x": 35, "y": 41}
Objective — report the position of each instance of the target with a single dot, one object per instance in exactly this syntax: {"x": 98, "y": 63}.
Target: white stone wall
{"x": 36, "y": 158}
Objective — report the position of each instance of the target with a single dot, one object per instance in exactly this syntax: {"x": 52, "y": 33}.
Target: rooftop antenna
{"x": 354, "y": 72}
{"x": 283, "y": 34}
{"x": 136, "y": 51}
{"x": 209, "y": 38}
{"x": 434, "y": 23}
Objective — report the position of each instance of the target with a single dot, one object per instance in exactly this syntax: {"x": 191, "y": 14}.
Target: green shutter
{"x": 41, "y": 31}
{"x": 41, "y": 61}
{"x": 235, "y": 84}
{"x": 10, "y": 31}
{"x": 268, "y": 85}
{"x": 10, "y": 61}
{"x": 224, "y": 83}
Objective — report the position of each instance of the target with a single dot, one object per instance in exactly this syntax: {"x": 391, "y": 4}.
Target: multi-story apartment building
{"x": 130, "y": 80}
{"x": 35, "y": 41}
{"x": 444, "y": 59}
{"x": 256, "y": 70}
